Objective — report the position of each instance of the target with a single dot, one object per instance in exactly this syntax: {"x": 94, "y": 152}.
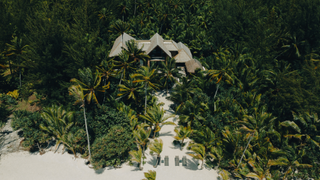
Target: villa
{"x": 159, "y": 50}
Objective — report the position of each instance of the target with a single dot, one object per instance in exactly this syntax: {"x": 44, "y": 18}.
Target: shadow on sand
{"x": 166, "y": 134}
{"x": 152, "y": 161}
{"x": 192, "y": 164}
{"x": 100, "y": 171}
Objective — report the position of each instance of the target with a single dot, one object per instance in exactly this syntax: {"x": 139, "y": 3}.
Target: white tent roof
{"x": 170, "y": 45}
{"x": 157, "y": 41}
{"x": 116, "y": 48}
{"x": 182, "y": 56}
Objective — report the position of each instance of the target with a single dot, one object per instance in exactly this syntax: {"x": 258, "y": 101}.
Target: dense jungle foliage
{"x": 252, "y": 112}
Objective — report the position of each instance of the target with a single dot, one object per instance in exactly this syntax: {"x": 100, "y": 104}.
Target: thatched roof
{"x": 116, "y": 48}
{"x": 182, "y": 56}
{"x": 157, "y": 41}
{"x": 192, "y": 65}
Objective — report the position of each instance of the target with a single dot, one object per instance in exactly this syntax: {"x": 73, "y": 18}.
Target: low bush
{"x": 29, "y": 123}
{"x": 113, "y": 148}
{"x": 6, "y": 106}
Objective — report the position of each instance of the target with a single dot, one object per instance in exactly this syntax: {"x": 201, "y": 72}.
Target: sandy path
{"x": 57, "y": 166}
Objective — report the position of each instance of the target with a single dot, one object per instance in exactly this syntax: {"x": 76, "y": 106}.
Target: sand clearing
{"x": 57, "y": 166}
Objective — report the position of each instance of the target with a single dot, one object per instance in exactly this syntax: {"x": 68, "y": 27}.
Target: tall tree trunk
{"x": 216, "y": 91}
{"x": 104, "y": 94}
{"x": 85, "y": 121}
{"x": 145, "y": 100}
{"x": 245, "y": 150}
{"x": 202, "y": 164}
{"x": 121, "y": 78}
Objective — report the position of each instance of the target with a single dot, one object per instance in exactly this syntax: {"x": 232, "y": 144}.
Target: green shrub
{"x": 105, "y": 118}
{"x": 113, "y": 148}
{"x": 29, "y": 123}
{"x": 6, "y": 106}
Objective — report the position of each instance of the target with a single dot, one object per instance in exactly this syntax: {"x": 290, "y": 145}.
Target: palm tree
{"x": 124, "y": 64}
{"x": 192, "y": 113}
{"x": 135, "y": 54}
{"x": 182, "y": 134}
{"x": 206, "y": 137}
{"x": 150, "y": 175}
{"x": 259, "y": 122}
{"x": 120, "y": 27}
{"x": 16, "y": 49}
{"x": 169, "y": 72}
{"x": 198, "y": 152}
{"x": 141, "y": 135}
{"x": 146, "y": 75}
{"x": 291, "y": 162}
{"x": 106, "y": 70}
{"x": 155, "y": 115}
{"x": 156, "y": 147}
{"x": 304, "y": 125}
{"x": 90, "y": 84}
{"x": 77, "y": 92}
{"x": 86, "y": 89}
{"x": 136, "y": 156}
{"x": 225, "y": 73}
{"x": 261, "y": 167}
{"x": 57, "y": 122}
{"x": 130, "y": 89}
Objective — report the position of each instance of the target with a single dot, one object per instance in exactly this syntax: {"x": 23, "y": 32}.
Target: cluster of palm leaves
{"x": 235, "y": 120}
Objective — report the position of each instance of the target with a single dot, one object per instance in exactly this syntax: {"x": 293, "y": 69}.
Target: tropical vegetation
{"x": 253, "y": 111}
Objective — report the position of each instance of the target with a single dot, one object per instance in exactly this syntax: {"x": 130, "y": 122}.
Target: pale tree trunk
{"x": 145, "y": 100}
{"x": 202, "y": 164}
{"x": 214, "y": 104}
{"x": 104, "y": 94}
{"x": 121, "y": 79}
{"x": 85, "y": 121}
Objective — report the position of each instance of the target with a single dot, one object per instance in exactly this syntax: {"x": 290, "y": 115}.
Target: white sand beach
{"x": 23, "y": 165}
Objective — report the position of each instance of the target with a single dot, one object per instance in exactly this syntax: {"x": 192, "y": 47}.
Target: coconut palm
{"x": 141, "y": 135}
{"x": 291, "y": 162}
{"x": 17, "y": 50}
{"x": 135, "y": 54}
{"x": 90, "y": 84}
{"x": 155, "y": 115}
{"x": 57, "y": 122}
{"x": 146, "y": 75}
{"x": 156, "y": 147}
{"x": 150, "y": 175}
{"x": 106, "y": 70}
{"x": 225, "y": 73}
{"x": 130, "y": 89}
{"x": 136, "y": 156}
{"x": 199, "y": 152}
{"x": 305, "y": 125}
{"x": 120, "y": 27}
{"x": 205, "y": 137}
{"x": 77, "y": 92}
{"x": 182, "y": 133}
{"x": 124, "y": 64}
{"x": 192, "y": 114}
{"x": 259, "y": 121}
{"x": 261, "y": 167}
{"x": 169, "y": 72}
